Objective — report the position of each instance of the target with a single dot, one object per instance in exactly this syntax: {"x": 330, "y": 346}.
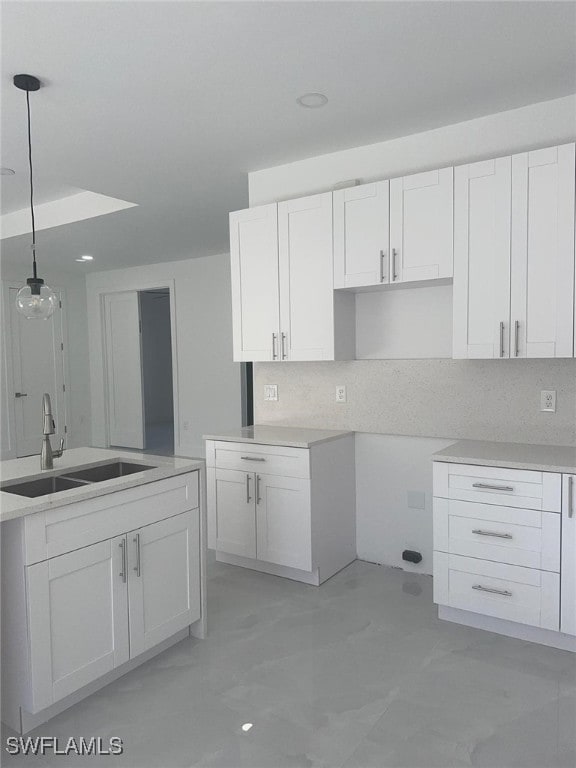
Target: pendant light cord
{"x": 31, "y": 184}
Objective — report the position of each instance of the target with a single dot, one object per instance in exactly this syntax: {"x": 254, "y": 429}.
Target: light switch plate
{"x": 270, "y": 391}
{"x": 548, "y": 400}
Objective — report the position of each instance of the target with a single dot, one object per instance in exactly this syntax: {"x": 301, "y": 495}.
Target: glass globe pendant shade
{"x": 35, "y": 300}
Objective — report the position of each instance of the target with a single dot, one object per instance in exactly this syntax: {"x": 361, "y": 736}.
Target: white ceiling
{"x": 170, "y": 104}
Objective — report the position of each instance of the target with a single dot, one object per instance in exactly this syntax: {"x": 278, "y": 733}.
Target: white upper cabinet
{"x": 362, "y": 235}
{"x": 482, "y": 259}
{"x": 306, "y": 278}
{"x": 542, "y": 271}
{"x": 421, "y": 226}
{"x": 255, "y": 299}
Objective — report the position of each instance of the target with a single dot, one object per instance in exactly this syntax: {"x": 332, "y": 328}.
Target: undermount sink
{"x": 41, "y": 487}
{"x": 79, "y": 479}
{"x": 108, "y": 471}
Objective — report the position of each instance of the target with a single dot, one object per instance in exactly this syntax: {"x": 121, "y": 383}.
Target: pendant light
{"x": 35, "y": 300}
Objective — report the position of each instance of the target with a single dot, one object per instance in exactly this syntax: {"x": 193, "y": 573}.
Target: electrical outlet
{"x": 341, "y": 393}
{"x": 548, "y": 400}
{"x": 270, "y": 392}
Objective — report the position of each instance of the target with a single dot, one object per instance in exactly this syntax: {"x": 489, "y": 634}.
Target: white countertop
{"x": 13, "y": 506}
{"x": 291, "y": 437}
{"x": 544, "y": 458}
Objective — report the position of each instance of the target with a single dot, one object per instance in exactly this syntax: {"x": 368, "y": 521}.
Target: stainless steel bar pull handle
{"x": 502, "y": 339}
{"x": 492, "y": 591}
{"x": 516, "y": 338}
{"x": 136, "y": 541}
{"x": 480, "y": 532}
{"x": 283, "y": 338}
{"x": 122, "y": 546}
{"x": 393, "y": 267}
{"x": 251, "y": 458}
{"x": 248, "y": 497}
{"x": 382, "y": 257}
{"x": 258, "y": 497}
{"x": 274, "y": 350}
{"x": 570, "y": 497}
{"x": 507, "y": 488}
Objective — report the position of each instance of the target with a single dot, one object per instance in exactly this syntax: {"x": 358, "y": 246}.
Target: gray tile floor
{"x": 358, "y": 673}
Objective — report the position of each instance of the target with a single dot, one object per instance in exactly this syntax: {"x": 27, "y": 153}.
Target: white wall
{"x": 76, "y": 357}
{"x": 207, "y": 380}
{"x": 388, "y": 467}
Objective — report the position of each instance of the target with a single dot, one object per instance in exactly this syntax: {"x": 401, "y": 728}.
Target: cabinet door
{"x": 284, "y": 524}
{"x": 78, "y": 619}
{"x": 482, "y": 259}
{"x": 163, "y": 579}
{"x": 421, "y": 226}
{"x": 235, "y": 512}
{"x": 255, "y": 300}
{"x": 362, "y": 235}
{"x": 568, "y": 573}
{"x": 542, "y": 273}
{"x": 306, "y": 278}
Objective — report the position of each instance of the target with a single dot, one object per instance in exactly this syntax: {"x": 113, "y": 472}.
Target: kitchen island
{"x": 103, "y": 566}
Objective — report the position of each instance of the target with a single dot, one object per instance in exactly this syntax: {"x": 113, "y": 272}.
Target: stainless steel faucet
{"x": 47, "y": 455}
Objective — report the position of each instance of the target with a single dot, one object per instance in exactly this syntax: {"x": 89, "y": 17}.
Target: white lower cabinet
{"x": 74, "y": 618}
{"x": 290, "y": 511}
{"x": 78, "y": 618}
{"x": 568, "y": 610}
{"x": 505, "y": 549}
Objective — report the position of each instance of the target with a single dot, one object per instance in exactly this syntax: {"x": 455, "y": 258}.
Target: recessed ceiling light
{"x": 247, "y": 726}
{"x": 312, "y": 100}
{"x": 82, "y": 259}
{"x": 7, "y": 172}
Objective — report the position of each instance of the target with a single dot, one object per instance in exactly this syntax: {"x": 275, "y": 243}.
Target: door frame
{"x": 137, "y": 287}
{"x": 8, "y": 360}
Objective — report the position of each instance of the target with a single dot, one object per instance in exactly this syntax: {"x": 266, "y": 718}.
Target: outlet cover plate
{"x": 270, "y": 392}
{"x": 341, "y": 393}
{"x": 548, "y": 400}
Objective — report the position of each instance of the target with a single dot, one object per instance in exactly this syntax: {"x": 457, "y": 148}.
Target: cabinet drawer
{"x": 524, "y": 595}
{"x": 525, "y": 537}
{"x": 495, "y": 485}
{"x": 268, "y": 459}
{"x": 54, "y": 532}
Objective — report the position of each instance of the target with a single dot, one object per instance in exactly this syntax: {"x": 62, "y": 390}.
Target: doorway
{"x": 37, "y": 358}
{"x": 138, "y": 336}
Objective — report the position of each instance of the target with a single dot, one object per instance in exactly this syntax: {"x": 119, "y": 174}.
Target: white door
{"x": 255, "y": 299}
{"x": 78, "y": 619}
{"x": 568, "y": 583}
{"x": 163, "y": 579}
{"x": 124, "y": 369}
{"x": 362, "y": 235}
{"x": 283, "y": 521}
{"x": 542, "y": 271}
{"x": 306, "y": 278}
{"x": 481, "y": 318}
{"x": 38, "y": 367}
{"x": 421, "y": 226}
{"x": 235, "y": 512}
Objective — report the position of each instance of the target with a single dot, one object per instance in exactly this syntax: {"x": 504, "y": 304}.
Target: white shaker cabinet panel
{"x": 568, "y": 585}
{"x": 482, "y": 224}
{"x": 421, "y": 226}
{"x": 306, "y": 278}
{"x": 284, "y": 521}
{"x": 234, "y": 507}
{"x": 542, "y": 270}
{"x": 255, "y": 296}
{"x": 362, "y": 235}
{"x": 78, "y": 619}
{"x": 163, "y": 581}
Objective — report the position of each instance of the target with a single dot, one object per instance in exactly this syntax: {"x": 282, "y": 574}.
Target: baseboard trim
{"x": 510, "y": 628}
